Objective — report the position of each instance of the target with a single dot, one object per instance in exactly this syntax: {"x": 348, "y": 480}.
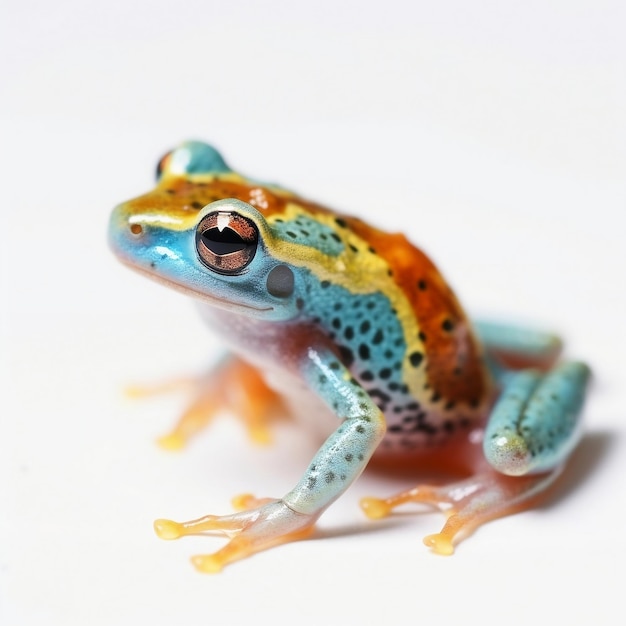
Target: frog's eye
{"x": 226, "y": 241}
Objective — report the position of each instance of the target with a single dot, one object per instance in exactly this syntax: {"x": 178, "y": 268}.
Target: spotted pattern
{"x": 369, "y": 341}
{"x": 305, "y": 230}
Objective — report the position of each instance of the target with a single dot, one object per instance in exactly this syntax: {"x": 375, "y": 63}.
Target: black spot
{"x": 456, "y": 371}
{"x": 378, "y": 337}
{"x": 348, "y": 457}
{"x": 152, "y": 264}
{"x": 416, "y": 358}
{"x": 396, "y": 428}
{"x": 372, "y": 250}
{"x": 311, "y": 482}
{"x": 447, "y": 325}
{"x": 393, "y": 386}
{"x": 292, "y": 234}
{"x": 381, "y": 395}
{"x": 300, "y": 303}
{"x": 360, "y": 457}
{"x": 388, "y": 354}
{"x": 412, "y": 406}
{"x": 336, "y": 237}
{"x": 337, "y": 306}
{"x": 448, "y": 426}
{"x": 329, "y": 477}
{"x": 325, "y": 284}
{"x": 365, "y": 327}
{"x": 197, "y": 205}
{"x": 333, "y": 365}
{"x": 340, "y": 222}
{"x": 364, "y": 352}
{"x": 353, "y": 248}
{"x": 474, "y": 403}
{"x": 422, "y": 336}
{"x": 323, "y": 380}
{"x": 347, "y": 356}
{"x": 449, "y": 405}
{"x": 336, "y": 323}
{"x": 385, "y": 373}
{"x": 348, "y": 333}
{"x": 435, "y": 397}
{"x": 370, "y": 305}
{"x": 359, "y": 429}
{"x": 367, "y": 375}
{"x": 421, "y": 285}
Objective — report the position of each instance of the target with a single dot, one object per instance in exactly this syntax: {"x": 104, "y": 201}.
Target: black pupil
{"x": 224, "y": 241}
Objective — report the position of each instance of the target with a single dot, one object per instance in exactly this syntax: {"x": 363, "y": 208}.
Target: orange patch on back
{"x": 455, "y": 369}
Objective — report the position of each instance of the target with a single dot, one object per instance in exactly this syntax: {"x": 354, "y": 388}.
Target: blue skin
{"x": 532, "y": 428}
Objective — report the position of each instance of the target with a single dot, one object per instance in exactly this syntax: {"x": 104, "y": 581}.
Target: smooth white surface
{"x": 493, "y": 133}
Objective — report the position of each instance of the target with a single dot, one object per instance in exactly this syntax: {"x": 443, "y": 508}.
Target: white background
{"x": 493, "y": 133}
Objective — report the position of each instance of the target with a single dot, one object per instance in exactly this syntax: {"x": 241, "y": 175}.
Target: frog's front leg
{"x": 533, "y": 428}
{"x": 334, "y": 468}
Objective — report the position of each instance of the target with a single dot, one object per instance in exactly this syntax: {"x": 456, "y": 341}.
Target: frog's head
{"x": 220, "y": 252}
{"x": 223, "y": 256}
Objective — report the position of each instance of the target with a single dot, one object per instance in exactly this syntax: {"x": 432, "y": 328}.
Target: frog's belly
{"x": 304, "y": 407}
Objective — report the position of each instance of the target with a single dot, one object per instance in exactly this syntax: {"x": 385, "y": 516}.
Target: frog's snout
{"x": 126, "y": 235}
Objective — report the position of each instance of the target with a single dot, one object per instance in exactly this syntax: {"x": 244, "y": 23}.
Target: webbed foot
{"x": 467, "y": 503}
{"x": 250, "y": 531}
{"x": 232, "y": 386}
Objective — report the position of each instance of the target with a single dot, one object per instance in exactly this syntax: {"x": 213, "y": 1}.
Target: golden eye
{"x": 226, "y": 241}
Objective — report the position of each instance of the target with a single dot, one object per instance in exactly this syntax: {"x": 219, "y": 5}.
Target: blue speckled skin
{"x": 348, "y": 323}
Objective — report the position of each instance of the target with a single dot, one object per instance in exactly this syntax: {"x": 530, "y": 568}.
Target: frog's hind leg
{"x": 232, "y": 386}
{"x": 533, "y": 428}
{"x": 516, "y": 347}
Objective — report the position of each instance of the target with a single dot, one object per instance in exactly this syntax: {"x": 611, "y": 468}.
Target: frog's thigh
{"x": 535, "y": 423}
{"x": 533, "y": 428}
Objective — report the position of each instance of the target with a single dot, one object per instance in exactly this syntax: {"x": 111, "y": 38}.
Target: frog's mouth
{"x": 227, "y": 305}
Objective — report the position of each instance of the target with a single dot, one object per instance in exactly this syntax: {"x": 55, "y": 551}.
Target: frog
{"x": 355, "y": 332}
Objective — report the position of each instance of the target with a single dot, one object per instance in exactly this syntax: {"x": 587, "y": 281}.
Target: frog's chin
{"x": 226, "y": 305}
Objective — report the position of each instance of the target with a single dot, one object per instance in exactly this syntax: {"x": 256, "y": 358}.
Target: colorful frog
{"x": 355, "y": 330}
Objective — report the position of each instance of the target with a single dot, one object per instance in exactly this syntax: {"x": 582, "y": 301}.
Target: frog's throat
{"x": 227, "y": 305}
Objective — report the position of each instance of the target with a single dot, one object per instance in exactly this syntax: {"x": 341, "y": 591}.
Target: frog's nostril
{"x": 136, "y": 229}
